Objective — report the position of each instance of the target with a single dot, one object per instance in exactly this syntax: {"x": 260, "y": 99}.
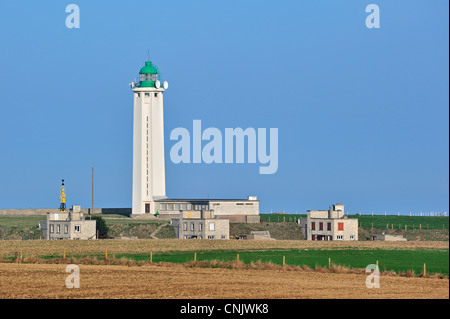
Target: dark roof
{"x": 204, "y": 200}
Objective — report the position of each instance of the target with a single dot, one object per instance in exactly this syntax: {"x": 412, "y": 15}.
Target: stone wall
{"x": 44, "y": 211}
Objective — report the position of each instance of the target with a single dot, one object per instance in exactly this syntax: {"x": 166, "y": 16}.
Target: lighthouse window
{"x": 148, "y": 77}
{"x": 156, "y": 94}
{"x": 147, "y": 94}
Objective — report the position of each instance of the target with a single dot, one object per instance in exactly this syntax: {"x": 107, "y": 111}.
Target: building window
{"x": 156, "y": 94}
{"x": 211, "y": 226}
{"x": 169, "y": 206}
{"x": 313, "y": 226}
{"x": 185, "y": 226}
{"x": 58, "y": 228}
{"x": 339, "y": 237}
{"x": 210, "y": 237}
{"x": 66, "y": 229}
{"x": 147, "y": 94}
{"x": 223, "y": 237}
{"x": 313, "y": 237}
{"x": 52, "y": 228}
{"x": 320, "y": 226}
{"x": 139, "y": 94}
{"x": 201, "y": 226}
{"x": 176, "y": 206}
{"x": 192, "y": 226}
{"x": 189, "y": 206}
{"x": 352, "y": 237}
{"x": 183, "y": 206}
{"x": 340, "y": 226}
{"x": 77, "y": 228}
{"x": 329, "y": 226}
{"x": 162, "y": 206}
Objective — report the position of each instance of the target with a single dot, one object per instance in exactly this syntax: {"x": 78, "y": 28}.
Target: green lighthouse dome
{"x": 148, "y": 75}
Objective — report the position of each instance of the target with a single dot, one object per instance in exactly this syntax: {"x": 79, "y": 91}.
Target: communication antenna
{"x": 62, "y": 206}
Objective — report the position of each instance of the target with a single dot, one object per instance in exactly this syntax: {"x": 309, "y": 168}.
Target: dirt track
{"x": 177, "y": 281}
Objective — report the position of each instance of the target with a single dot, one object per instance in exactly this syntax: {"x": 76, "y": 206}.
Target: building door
{"x": 313, "y": 237}
{"x": 147, "y": 208}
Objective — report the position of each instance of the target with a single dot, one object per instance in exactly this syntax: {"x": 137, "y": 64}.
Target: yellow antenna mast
{"x": 62, "y": 206}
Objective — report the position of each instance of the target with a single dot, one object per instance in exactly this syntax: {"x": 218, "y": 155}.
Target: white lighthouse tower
{"x": 149, "y": 179}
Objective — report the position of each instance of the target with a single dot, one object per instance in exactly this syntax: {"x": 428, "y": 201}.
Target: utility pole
{"x": 92, "y": 192}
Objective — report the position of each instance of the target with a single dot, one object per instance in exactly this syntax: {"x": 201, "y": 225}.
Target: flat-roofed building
{"x": 235, "y": 210}
{"x": 68, "y": 225}
{"x": 331, "y": 224}
{"x": 200, "y": 225}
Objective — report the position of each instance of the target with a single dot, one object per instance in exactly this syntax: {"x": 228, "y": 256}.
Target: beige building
{"x": 68, "y": 225}
{"x": 235, "y": 210}
{"x": 331, "y": 224}
{"x": 200, "y": 225}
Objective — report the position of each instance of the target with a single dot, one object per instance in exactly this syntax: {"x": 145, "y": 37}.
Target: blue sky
{"x": 362, "y": 114}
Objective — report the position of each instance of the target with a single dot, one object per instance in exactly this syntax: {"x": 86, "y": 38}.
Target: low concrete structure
{"x": 387, "y": 237}
{"x": 259, "y": 235}
{"x": 68, "y": 225}
{"x": 331, "y": 224}
{"x": 44, "y": 211}
{"x": 200, "y": 225}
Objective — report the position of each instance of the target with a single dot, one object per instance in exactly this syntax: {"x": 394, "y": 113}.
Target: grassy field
{"x": 431, "y": 228}
{"x": 396, "y": 256}
{"x": 378, "y": 221}
{"x": 399, "y": 261}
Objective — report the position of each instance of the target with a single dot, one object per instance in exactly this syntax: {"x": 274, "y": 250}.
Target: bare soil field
{"x": 35, "y": 248}
{"x": 172, "y": 281}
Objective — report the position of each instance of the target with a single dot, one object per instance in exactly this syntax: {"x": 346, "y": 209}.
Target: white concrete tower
{"x": 149, "y": 178}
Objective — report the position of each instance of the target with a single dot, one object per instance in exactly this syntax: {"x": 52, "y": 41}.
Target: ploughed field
{"x": 222, "y": 269}
{"x": 176, "y": 281}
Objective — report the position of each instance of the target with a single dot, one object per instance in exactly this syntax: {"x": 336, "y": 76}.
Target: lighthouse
{"x": 149, "y": 184}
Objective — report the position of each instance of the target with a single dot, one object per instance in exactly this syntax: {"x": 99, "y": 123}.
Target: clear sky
{"x": 362, "y": 114}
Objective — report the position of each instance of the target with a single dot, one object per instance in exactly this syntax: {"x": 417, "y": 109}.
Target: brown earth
{"x": 180, "y": 282}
